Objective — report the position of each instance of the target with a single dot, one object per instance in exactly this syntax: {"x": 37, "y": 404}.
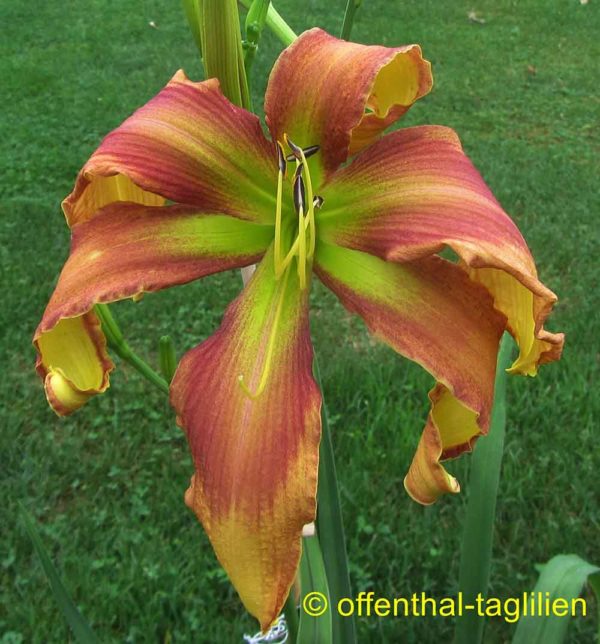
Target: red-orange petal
{"x": 256, "y": 459}
{"x": 431, "y": 312}
{"x": 341, "y": 95}
{"x": 414, "y": 192}
{"x": 189, "y": 145}
{"x": 128, "y": 249}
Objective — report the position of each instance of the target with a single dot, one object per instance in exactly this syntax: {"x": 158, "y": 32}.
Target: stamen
{"x": 280, "y": 176}
{"x": 311, "y": 208}
{"x": 304, "y": 204}
{"x": 299, "y": 190}
{"x": 281, "y": 159}
{"x": 308, "y": 152}
{"x": 296, "y": 149}
{"x": 270, "y": 347}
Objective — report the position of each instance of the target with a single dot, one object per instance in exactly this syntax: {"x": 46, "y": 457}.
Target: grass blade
{"x": 476, "y": 547}
{"x": 314, "y": 628}
{"x": 81, "y": 629}
{"x": 562, "y": 577}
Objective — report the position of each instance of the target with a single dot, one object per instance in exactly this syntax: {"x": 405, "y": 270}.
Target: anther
{"x": 299, "y": 191}
{"x": 281, "y": 161}
{"x": 318, "y": 201}
{"x": 308, "y": 152}
{"x": 296, "y": 150}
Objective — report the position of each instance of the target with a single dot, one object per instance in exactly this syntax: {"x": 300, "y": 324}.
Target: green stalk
{"x": 476, "y": 547}
{"x": 348, "y": 23}
{"x": 330, "y": 528}
{"x": 123, "y": 350}
{"x": 192, "y": 13}
{"x": 223, "y": 56}
{"x": 255, "y": 22}
{"x": 276, "y": 24}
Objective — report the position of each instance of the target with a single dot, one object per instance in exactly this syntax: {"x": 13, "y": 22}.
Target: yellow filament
{"x": 301, "y": 249}
{"x": 278, "y": 223}
{"x": 270, "y": 347}
{"x": 311, "y": 208}
{"x": 305, "y": 221}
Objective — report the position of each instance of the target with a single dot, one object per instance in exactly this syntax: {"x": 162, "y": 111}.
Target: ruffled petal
{"x": 341, "y": 95}
{"x": 189, "y": 145}
{"x": 431, "y": 312}
{"x": 415, "y": 192}
{"x": 256, "y": 459}
{"x": 124, "y": 251}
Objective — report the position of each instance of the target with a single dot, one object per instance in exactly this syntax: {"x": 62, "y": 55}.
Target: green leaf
{"x": 476, "y": 546}
{"x": 81, "y": 629}
{"x": 594, "y": 581}
{"x": 564, "y": 577}
{"x": 316, "y": 610}
{"x": 330, "y": 528}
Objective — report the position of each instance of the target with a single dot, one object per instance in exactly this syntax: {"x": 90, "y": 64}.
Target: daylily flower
{"x": 189, "y": 185}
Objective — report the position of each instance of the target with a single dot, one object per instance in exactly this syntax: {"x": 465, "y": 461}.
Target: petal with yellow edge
{"x": 432, "y": 313}
{"x": 124, "y": 251}
{"x": 414, "y": 192}
{"x": 73, "y": 362}
{"x": 189, "y": 145}
{"x": 250, "y": 407}
{"x": 341, "y": 95}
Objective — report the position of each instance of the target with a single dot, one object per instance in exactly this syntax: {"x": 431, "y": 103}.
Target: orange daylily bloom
{"x": 189, "y": 185}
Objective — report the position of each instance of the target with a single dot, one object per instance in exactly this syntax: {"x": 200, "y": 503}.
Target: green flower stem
{"x": 476, "y": 547}
{"x": 123, "y": 350}
{"x": 223, "y": 55}
{"x": 192, "y": 13}
{"x": 330, "y": 529}
{"x": 255, "y": 22}
{"x": 351, "y": 8}
{"x": 276, "y": 24}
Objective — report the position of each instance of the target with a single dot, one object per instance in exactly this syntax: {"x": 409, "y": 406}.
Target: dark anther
{"x": 308, "y": 152}
{"x": 318, "y": 201}
{"x": 299, "y": 191}
{"x": 295, "y": 150}
{"x": 281, "y": 159}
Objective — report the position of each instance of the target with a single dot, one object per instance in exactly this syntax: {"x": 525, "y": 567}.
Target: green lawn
{"x": 106, "y": 484}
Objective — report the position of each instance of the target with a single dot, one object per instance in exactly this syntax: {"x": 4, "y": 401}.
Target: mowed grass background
{"x": 106, "y": 484}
